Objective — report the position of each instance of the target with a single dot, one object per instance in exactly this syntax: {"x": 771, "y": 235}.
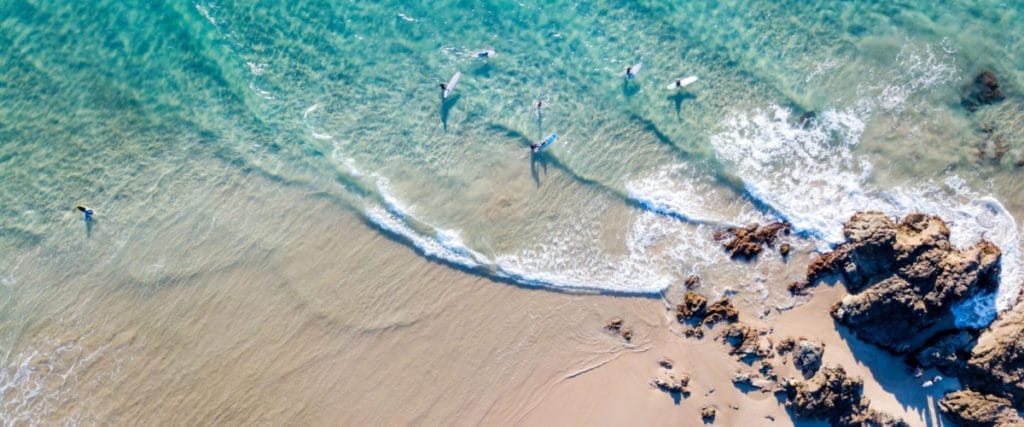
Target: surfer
{"x": 534, "y": 147}
{"x": 87, "y": 211}
{"x": 484, "y": 54}
{"x": 629, "y": 73}
{"x": 679, "y": 83}
{"x": 444, "y": 88}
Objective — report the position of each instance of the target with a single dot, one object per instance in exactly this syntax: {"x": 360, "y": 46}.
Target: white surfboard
{"x": 634, "y": 69}
{"x": 681, "y": 83}
{"x": 452, "y": 83}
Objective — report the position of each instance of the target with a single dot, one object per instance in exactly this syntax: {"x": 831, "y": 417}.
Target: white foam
{"x": 677, "y": 192}
{"x": 806, "y": 174}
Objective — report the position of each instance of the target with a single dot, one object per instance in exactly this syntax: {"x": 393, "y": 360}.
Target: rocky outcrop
{"x": 973, "y": 409}
{"x": 692, "y": 306}
{"x": 828, "y": 395}
{"x": 747, "y": 342}
{"x": 672, "y": 383}
{"x": 721, "y": 311}
{"x": 996, "y": 364}
{"x": 903, "y": 277}
{"x": 982, "y": 91}
{"x": 832, "y": 395}
{"x": 807, "y": 357}
{"x": 749, "y": 241}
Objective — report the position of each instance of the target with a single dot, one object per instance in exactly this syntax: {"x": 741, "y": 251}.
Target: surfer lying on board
{"x": 88, "y": 212}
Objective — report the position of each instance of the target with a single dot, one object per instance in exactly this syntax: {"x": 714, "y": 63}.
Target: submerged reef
{"x": 983, "y": 90}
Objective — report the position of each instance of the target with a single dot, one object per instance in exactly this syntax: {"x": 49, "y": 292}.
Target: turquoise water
{"x": 155, "y": 114}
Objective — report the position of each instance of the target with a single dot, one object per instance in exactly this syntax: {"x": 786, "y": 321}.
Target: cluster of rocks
{"x": 749, "y": 241}
{"x": 904, "y": 278}
{"x": 615, "y": 325}
{"x": 695, "y": 311}
{"x": 826, "y": 394}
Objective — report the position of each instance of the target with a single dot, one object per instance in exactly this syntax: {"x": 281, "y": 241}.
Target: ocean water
{"x": 162, "y": 117}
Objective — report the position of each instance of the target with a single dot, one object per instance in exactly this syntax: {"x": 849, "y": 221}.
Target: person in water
{"x": 87, "y": 211}
{"x": 483, "y": 54}
{"x": 534, "y": 147}
{"x": 629, "y": 73}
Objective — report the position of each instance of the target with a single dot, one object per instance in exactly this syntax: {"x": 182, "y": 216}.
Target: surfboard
{"x": 634, "y": 69}
{"x": 546, "y": 142}
{"x": 452, "y": 83}
{"x": 681, "y": 83}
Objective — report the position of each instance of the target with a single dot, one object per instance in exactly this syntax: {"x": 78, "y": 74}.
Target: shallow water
{"x": 159, "y": 117}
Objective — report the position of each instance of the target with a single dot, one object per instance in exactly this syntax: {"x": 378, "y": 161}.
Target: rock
{"x": 741, "y": 378}
{"x": 828, "y": 395}
{"x": 807, "y": 357}
{"x": 749, "y": 241}
{"x": 903, "y": 277}
{"x": 721, "y": 310}
{"x": 996, "y": 363}
{"x": 692, "y": 282}
{"x": 707, "y": 414}
{"x": 784, "y": 249}
{"x": 970, "y": 408}
{"x": 746, "y": 341}
{"x": 806, "y": 119}
{"x": 692, "y": 306}
{"x": 786, "y": 345}
{"x": 672, "y": 383}
{"x": 768, "y": 371}
{"x": 614, "y": 325}
{"x": 697, "y": 333}
{"x": 948, "y": 354}
{"x": 863, "y": 416}
{"x": 665, "y": 362}
{"x": 627, "y": 334}
{"x": 982, "y": 91}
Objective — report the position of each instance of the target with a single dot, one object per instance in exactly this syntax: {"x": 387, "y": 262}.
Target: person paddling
{"x": 87, "y": 211}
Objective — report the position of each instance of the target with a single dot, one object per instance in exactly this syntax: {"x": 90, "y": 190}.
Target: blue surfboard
{"x": 546, "y": 142}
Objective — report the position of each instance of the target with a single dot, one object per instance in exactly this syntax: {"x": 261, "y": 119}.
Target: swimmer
{"x": 87, "y": 211}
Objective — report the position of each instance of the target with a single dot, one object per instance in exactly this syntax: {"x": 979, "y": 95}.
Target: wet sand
{"x": 321, "y": 319}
